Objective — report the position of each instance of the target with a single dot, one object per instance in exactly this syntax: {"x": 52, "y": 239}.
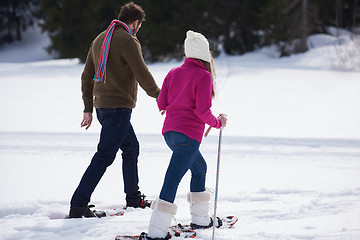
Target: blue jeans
{"x": 186, "y": 155}
{"x": 116, "y": 132}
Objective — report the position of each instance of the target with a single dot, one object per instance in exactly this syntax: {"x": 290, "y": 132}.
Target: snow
{"x": 290, "y": 159}
{"x": 31, "y": 48}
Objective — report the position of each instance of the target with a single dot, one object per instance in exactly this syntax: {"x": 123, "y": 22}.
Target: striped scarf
{"x": 99, "y": 75}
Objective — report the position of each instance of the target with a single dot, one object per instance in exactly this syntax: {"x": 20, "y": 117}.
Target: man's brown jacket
{"x": 125, "y": 68}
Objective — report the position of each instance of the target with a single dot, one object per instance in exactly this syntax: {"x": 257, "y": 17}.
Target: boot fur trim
{"x": 164, "y": 206}
{"x": 199, "y": 197}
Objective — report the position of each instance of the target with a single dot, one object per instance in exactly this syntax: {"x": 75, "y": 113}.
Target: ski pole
{"x": 217, "y": 183}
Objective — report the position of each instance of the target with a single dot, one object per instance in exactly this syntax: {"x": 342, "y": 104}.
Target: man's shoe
{"x": 138, "y": 203}
{"x": 79, "y": 212}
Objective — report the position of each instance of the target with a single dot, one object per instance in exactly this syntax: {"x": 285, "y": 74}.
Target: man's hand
{"x": 87, "y": 120}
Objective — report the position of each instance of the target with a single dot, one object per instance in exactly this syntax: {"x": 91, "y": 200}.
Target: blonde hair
{"x": 210, "y": 67}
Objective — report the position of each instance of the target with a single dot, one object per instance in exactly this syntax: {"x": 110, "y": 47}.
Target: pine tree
{"x": 229, "y": 25}
{"x": 73, "y": 24}
{"x": 233, "y": 26}
{"x": 288, "y": 23}
{"x": 15, "y": 17}
{"x": 240, "y": 25}
{"x": 167, "y": 23}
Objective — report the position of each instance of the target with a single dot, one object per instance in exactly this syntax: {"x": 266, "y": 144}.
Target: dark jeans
{"x": 116, "y": 132}
{"x": 186, "y": 155}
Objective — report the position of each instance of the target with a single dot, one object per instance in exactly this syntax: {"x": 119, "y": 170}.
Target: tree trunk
{"x": 304, "y": 29}
{"x": 355, "y": 14}
{"x": 338, "y": 17}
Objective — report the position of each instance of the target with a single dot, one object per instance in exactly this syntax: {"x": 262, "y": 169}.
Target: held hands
{"x": 87, "y": 120}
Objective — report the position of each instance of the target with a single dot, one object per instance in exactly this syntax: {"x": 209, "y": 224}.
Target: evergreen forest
{"x": 232, "y": 26}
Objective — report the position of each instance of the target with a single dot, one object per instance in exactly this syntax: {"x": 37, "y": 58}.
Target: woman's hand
{"x": 223, "y": 120}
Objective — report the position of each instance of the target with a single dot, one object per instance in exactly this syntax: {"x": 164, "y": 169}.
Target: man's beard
{"x": 135, "y": 30}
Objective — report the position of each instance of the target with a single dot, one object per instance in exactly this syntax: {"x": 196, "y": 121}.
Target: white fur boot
{"x": 199, "y": 209}
{"x": 163, "y": 212}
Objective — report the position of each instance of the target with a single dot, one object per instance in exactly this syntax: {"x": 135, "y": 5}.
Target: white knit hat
{"x": 197, "y": 46}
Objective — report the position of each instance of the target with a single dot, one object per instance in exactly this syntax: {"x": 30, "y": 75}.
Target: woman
{"x": 186, "y": 97}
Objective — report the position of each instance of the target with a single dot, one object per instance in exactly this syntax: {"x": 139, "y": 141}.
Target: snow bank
{"x": 31, "y": 48}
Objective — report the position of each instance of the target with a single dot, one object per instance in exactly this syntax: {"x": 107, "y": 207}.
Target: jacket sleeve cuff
{"x": 88, "y": 108}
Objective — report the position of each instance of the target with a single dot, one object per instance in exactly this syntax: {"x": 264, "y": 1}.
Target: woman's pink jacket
{"x": 186, "y": 97}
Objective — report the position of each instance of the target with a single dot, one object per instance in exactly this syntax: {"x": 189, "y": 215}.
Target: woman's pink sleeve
{"x": 162, "y": 99}
{"x": 203, "y": 102}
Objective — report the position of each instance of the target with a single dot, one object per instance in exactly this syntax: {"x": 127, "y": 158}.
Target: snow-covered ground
{"x": 290, "y": 161}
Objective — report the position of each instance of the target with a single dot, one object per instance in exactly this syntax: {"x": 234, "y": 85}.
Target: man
{"x": 113, "y": 69}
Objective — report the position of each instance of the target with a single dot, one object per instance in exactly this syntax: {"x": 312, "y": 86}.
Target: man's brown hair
{"x": 131, "y": 12}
